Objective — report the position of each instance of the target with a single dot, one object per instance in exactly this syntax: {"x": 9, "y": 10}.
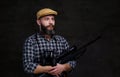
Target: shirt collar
{"x": 43, "y": 36}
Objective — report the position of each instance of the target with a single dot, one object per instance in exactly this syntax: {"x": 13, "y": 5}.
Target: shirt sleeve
{"x": 73, "y": 62}
{"x": 28, "y": 57}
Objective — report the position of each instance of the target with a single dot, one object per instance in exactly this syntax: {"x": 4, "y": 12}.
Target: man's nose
{"x": 51, "y": 22}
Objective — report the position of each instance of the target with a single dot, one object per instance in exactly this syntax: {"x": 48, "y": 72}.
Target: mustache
{"x": 50, "y": 25}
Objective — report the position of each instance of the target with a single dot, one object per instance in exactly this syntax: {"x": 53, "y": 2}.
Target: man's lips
{"x": 50, "y": 27}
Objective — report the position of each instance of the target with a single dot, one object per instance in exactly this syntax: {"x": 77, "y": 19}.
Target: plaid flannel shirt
{"x": 32, "y": 51}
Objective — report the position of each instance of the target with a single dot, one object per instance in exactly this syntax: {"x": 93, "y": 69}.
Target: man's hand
{"x": 43, "y": 69}
{"x": 57, "y": 70}
{"x": 47, "y": 69}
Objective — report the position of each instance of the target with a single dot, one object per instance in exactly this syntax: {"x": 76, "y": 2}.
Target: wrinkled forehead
{"x": 48, "y": 16}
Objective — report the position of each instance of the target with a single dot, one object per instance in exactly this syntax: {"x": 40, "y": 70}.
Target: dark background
{"x": 77, "y": 20}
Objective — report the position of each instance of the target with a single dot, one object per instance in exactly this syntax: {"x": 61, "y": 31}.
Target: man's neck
{"x": 48, "y": 37}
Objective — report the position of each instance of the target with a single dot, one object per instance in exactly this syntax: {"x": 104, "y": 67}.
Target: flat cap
{"x": 44, "y": 12}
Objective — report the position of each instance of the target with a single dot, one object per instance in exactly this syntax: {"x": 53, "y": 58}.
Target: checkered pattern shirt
{"x": 32, "y": 51}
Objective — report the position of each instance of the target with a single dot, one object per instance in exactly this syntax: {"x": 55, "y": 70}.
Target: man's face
{"x": 48, "y": 22}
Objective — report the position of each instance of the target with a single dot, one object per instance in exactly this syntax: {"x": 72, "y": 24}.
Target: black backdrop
{"x": 77, "y": 20}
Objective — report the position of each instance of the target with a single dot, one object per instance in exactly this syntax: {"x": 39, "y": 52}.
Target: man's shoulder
{"x": 31, "y": 37}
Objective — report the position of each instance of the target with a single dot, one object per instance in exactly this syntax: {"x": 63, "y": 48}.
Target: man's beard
{"x": 46, "y": 31}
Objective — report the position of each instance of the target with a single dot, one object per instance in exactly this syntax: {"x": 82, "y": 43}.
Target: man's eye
{"x": 46, "y": 18}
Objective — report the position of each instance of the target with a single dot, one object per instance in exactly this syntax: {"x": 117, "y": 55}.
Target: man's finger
{"x": 53, "y": 71}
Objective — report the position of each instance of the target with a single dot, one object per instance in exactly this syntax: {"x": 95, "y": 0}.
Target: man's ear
{"x": 38, "y": 22}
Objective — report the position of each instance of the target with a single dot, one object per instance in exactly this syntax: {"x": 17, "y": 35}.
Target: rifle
{"x": 73, "y": 53}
